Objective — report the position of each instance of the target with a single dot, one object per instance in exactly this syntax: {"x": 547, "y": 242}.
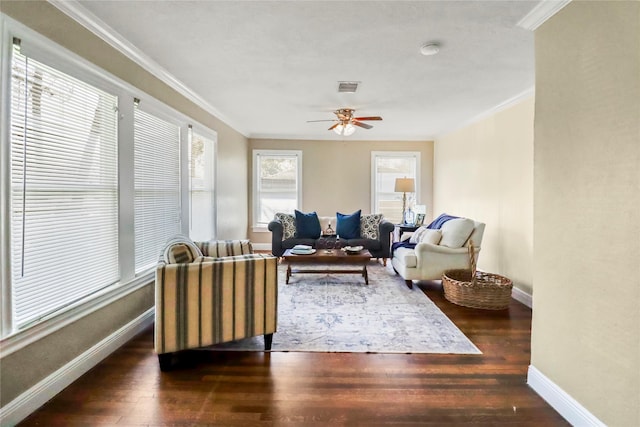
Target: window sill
{"x": 22, "y": 338}
{"x": 260, "y": 230}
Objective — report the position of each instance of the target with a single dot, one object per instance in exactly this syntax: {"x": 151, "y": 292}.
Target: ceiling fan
{"x": 346, "y": 122}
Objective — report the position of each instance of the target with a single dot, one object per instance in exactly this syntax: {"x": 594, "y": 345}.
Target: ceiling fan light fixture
{"x": 349, "y": 129}
{"x": 344, "y": 130}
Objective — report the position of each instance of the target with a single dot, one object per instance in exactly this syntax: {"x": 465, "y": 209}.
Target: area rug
{"x": 339, "y": 313}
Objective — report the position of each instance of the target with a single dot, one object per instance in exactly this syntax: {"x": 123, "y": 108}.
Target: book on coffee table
{"x": 302, "y": 250}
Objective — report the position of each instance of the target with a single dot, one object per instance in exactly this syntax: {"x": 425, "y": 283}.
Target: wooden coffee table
{"x": 328, "y": 256}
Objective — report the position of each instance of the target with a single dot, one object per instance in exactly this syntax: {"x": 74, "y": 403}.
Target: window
{"x": 386, "y": 166}
{"x": 201, "y": 187}
{"x": 277, "y": 184}
{"x": 64, "y": 190}
{"x": 93, "y": 185}
{"x": 157, "y": 186}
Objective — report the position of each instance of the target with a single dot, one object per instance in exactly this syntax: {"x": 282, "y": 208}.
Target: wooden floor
{"x": 318, "y": 389}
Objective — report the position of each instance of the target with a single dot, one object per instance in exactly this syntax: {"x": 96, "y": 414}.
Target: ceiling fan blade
{"x": 310, "y": 121}
{"x": 333, "y": 127}
{"x": 368, "y": 118}
{"x": 362, "y": 125}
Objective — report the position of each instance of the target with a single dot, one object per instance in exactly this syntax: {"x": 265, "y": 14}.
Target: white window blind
{"x": 386, "y": 167}
{"x": 277, "y": 184}
{"x": 201, "y": 187}
{"x": 157, "y": 186}
{"x": 64, "y": 206}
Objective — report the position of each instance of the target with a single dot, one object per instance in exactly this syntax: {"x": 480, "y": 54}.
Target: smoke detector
{"x": 429, "y": 49}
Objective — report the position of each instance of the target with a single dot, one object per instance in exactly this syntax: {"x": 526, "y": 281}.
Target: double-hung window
{"x": 277, "y": 184}
{"x": 386, "y": 166}
{"x": 63, "y": 190}
{"x": 157, "y": 185}
{"x": 94, "y": 183}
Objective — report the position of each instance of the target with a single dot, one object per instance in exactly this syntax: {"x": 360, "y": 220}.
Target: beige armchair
{"x": 427, "y": 261}
{"x": 212, "y": 292}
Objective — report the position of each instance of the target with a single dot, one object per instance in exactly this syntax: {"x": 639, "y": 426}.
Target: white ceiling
{"x": 269, "y": 66}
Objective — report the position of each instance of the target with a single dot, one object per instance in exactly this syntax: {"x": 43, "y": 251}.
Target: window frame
{"x": 60, "y": 58}
{"x": 255, "y": 184}
{"x": 65, "y": 192}
{"x": 159, "y": 114}
{"x": 375, "y": 155}
{"x": 187, "y": 198}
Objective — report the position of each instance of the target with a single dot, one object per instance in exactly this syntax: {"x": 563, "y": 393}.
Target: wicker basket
{"x": 477, "y": 289}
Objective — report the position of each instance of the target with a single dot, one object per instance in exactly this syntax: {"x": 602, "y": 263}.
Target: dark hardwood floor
{"x": 247, "y": 389}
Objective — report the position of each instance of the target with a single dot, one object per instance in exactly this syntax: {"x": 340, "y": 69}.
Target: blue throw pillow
{"x": 436, "y": 224}
{"x": 307, "y": 225}
{"x": 348, "y": 226}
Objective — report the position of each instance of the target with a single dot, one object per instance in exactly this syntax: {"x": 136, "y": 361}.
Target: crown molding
{"x": 81, "y": 15}
{"x": 522, "y": 96}
{"x": 539, "y": 14}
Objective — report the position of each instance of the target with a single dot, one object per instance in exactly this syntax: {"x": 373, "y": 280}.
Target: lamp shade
{"x": 405, "y": 185}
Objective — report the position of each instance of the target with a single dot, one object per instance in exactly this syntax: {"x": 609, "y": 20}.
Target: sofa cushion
{"x": 202, "y": 259}
{"x": 288, "y": 224}
{"x": 415, "y": 237}
{"x": 222, "y": 248}
{"x": 307, "y": 225}
{"x": 369, "y": 225}
{"x": 455, "y": 232}
{"x": 348, "y": 226}
{"x": 407, "y": 256}
{"x": 181, "y": 251}
{"x": 426, "y": 235}
{"x": 439, "y": 222}
{"x": 431, "y": 236}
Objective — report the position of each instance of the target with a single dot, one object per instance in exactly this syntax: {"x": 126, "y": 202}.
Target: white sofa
{"x": 427, "y": 261}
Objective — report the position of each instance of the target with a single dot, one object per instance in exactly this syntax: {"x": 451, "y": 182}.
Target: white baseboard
{"x": 562, "y": 402}
{"x": 521, "y": 296}
{"x": 23, "y": 405}
{"x": 261, "y": 246}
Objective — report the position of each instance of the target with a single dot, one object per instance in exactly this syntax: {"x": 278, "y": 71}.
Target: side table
{"x": 404, "y": 228}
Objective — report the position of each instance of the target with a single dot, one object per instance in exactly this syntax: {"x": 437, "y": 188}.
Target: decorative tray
{"x": 352, "y": 249}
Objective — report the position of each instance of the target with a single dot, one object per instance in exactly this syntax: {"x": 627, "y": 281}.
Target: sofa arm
{"x": 222, "y": 248}
{"x": 201, "y": 304}
{"x": 277, "y": 235}
{"x": 385, "y": 228}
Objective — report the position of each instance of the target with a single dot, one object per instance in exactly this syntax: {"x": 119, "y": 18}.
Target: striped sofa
{"x": 212, "y": 292}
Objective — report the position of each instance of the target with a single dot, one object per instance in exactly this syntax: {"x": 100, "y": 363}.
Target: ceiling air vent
{"x": 348, "y": 87}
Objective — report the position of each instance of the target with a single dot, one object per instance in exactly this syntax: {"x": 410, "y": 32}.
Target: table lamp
{"x": 404, "y": 186}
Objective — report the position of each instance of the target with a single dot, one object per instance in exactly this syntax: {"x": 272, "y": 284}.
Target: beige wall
{"x": 586, "y": 313}
{"x": 484, "y": 171}
{"x": 26, "y": 367}
{"x": 232, "y": 208}
{"x": 337, "y": 174}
